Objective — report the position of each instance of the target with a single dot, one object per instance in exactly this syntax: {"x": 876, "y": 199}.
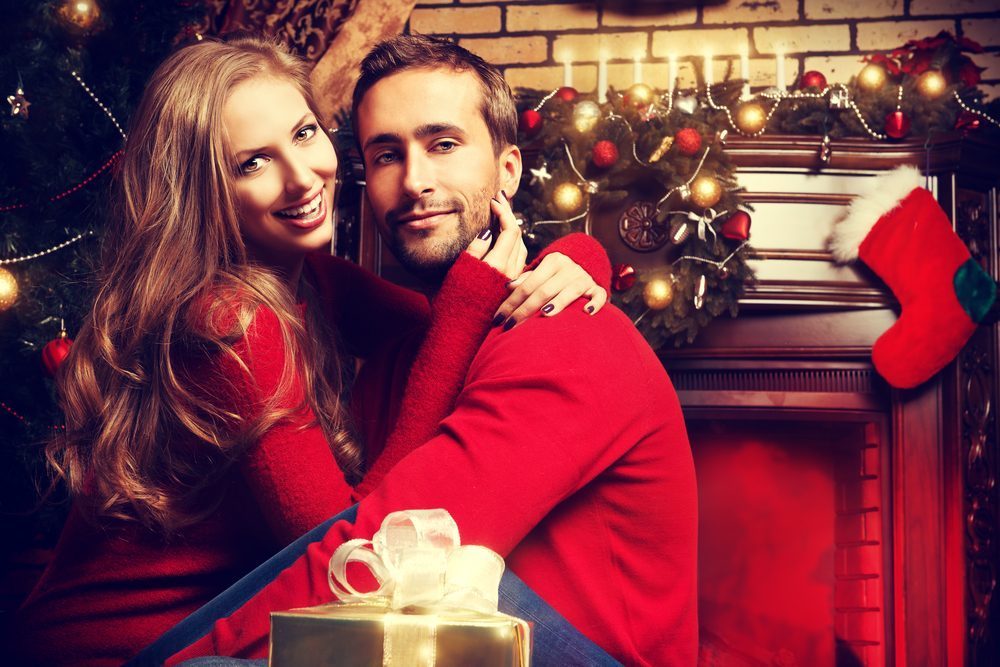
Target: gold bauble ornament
{"x": 80, "y": 14}
{"x": 8, "y": 289}
{"x": 872, "y": 77}
{"x": 931, "y": 84}
{"x": 705, "y": 192}
{"x": 639, "y": 95}
{"x": 567, "y": 197}
{"x": 658, "y": 293}
{"x": 750, "y": 118}
{"x": 585, "y": 116}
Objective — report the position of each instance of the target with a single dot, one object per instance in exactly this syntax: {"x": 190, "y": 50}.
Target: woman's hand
{"x": 555, "y": 283}
{"x": 508, "y": 253}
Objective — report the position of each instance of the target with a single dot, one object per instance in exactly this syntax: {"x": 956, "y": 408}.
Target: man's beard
{"x": 432, "y": 262}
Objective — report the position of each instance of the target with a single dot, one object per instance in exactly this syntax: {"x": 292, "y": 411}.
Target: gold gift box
{"x": 366, "y": 635}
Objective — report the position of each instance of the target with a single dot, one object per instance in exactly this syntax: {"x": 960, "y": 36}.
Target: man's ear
{"x": 510, "y": 169}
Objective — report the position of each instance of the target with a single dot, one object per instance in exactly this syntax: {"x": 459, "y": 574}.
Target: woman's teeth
{"x": 304, "y": 211}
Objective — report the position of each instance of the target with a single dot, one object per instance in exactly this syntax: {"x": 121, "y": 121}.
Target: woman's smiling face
{"x": 285, "y": 170}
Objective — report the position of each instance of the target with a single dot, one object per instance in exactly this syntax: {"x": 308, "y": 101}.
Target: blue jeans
{"x": 554, "y": 640}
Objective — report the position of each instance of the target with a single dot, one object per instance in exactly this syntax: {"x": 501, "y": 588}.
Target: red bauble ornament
{"x": 604, "y": 154}
{"x": 736, "y": 226}
{"x": 530, "y": 122}
{"x": 567, "y": 94}
{"x": 688, "y": 141}
{"x": 812, "y": 79}
{"x": 623, "y": 276}
{"x": 897, "y": 124}
{"x": 54, "y": 353}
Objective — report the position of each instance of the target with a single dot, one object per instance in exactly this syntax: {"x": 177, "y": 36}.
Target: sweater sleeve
{"x": 461, "y": 316}
{"x": 290, "y": 471}
{"x": 585, "y": 251}
{"x": 545, "y": 410}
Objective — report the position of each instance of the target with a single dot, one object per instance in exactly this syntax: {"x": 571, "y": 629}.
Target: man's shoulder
{"x": 606, "y": 344}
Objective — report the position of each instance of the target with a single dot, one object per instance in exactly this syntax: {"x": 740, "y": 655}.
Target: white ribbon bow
{"x": 704, "y": 222}
{"x": 417, "y": 559}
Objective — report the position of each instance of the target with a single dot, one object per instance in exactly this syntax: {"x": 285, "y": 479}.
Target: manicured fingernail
{"x": 509, "y": 324}
{"x": 547, "y": 308}
{"x": 500, "y": 317}
{"x": 485, "y": 234}
{"x": 590, "y": 309}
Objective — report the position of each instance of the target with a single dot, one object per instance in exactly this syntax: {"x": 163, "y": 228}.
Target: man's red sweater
{"x": 567, "y": 453}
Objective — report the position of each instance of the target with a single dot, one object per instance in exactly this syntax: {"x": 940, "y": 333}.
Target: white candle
{"x": 602, "y": 78}
{"x": 745, "y": 69}
{"x": 672, "y": 81}
{"x": 780, "y": 68}
{"x": 637, "y": 69}
{"x": 568, "y": 72}
{"x": 708, "y": 68}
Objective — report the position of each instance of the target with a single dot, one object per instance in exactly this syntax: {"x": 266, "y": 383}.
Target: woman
{"x": 205, "y": 425}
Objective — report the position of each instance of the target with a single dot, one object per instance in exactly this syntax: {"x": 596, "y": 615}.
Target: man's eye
{"x": 445, "y": 146}
{"x": 256, "y": 163}
{"x": 385, "y": 158}
{"x": 306, "y": 133}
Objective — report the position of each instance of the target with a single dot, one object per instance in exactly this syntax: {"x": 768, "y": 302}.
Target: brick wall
{"x": 529, "y": 39}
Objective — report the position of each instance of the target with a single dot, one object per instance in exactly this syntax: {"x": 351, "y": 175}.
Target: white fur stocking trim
{"x": 884, "y": 193}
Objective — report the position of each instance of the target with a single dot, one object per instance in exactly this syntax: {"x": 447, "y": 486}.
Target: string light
{"x": 49, "y": 251}
{"x": 99, "y": 103}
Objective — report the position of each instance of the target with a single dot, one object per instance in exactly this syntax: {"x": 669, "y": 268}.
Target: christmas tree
{"x": 71, "y": 73}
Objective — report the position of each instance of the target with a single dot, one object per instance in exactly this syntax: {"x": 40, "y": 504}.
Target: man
{"x": 566, "y": 450}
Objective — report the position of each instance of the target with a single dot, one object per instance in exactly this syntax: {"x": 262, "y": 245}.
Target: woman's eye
{"x": 306, "y": 133}
{"x": 256, "y": 163}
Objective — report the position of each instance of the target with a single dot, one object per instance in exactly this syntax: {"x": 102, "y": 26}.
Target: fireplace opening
{"x": 794, "y": 541}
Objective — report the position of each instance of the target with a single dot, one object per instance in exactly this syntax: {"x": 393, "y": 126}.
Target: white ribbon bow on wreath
{"x": 704, "y": 222}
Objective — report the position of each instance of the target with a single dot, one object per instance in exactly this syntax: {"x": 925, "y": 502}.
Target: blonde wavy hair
{"x": 176, "y": 289}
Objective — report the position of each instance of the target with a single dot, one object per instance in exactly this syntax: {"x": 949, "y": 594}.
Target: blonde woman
{"x": 206, "y": 425}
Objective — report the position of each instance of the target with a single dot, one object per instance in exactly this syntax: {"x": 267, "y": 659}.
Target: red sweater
{"x": 110, "y": 591}
{"x": 567, "y": 453}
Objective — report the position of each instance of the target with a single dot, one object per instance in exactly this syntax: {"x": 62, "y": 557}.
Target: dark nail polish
{"x": 547, "y": 308}
{"x": 590, "y": 309}
{"x": 485, "y": 234}
{"x": 509, "y": 324}
{"x": 505, "y": 195}
{"x": 498, "y": 319}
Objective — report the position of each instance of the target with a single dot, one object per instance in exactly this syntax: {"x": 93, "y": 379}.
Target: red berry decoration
{"x": 736, "y": 226}
{"x": 604, "y": 154}
{"x": 812, "y": 79}
{"x": 567, "y": 94}
{"x": 688, "y": 141}
{"x": 530, "y": 122}
{"x": 623, "y": 276}
{"x": 897, "y": 124}
{"x": 55, "y": 352}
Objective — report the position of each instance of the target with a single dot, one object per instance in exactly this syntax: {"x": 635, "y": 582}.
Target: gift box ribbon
{"x": 418, "y": 560}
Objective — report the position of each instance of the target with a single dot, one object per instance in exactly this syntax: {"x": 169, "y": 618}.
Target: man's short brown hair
{"x": 409, "y": 52}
